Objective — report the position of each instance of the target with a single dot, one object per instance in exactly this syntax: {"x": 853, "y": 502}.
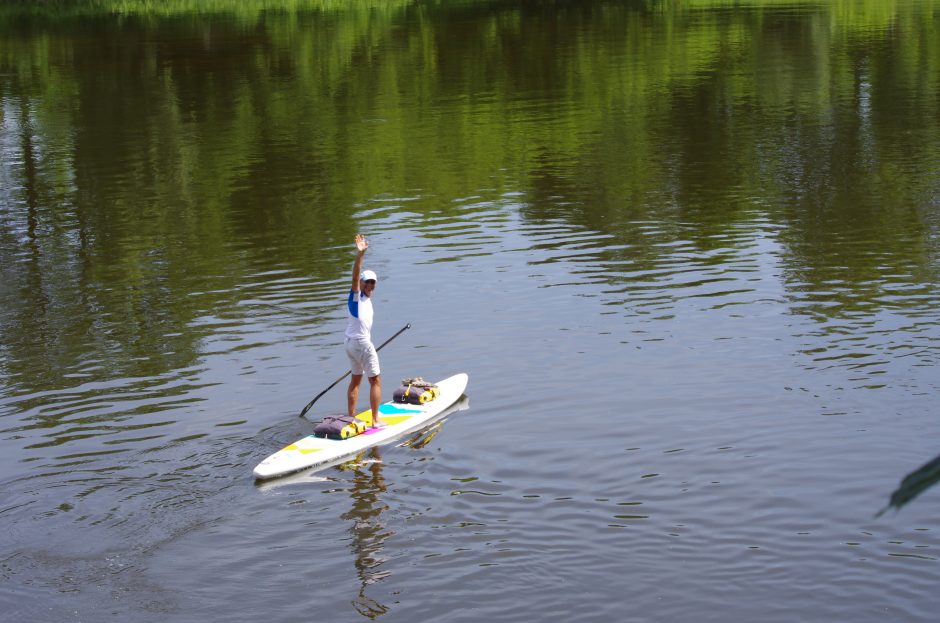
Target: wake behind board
{"x": 400, "y": 419}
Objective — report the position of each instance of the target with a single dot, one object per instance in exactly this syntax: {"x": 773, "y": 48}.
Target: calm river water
{"x": 686, "y": 251}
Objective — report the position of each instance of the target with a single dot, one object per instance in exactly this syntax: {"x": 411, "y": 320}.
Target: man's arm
{"x": 361, "y": 245}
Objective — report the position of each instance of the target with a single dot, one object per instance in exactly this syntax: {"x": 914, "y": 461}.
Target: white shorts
{"x": 363, "y": 358}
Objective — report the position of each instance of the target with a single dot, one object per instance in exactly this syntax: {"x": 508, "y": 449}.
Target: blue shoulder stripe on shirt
{"x": 353, "y": 304}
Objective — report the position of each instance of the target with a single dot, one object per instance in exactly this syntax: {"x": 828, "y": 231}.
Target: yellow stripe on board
{"x": 365, "y": 416}
{"x": 294, "y": 446}
{"x": 391, "y": 420}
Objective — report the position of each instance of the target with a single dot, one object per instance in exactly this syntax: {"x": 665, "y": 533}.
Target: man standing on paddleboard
{"x": 363, "y": 358}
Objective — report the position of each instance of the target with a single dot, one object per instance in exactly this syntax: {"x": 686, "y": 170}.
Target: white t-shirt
{"x": 360, "y": 317}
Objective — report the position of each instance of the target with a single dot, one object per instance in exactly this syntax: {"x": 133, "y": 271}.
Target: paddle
{"x": 333, "y": 384}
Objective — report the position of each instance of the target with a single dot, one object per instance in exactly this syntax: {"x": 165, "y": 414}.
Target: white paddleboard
{"x": 400, "y": 419}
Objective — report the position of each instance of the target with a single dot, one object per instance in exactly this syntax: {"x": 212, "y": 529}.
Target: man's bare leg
{"x": 375, "y": 397}
{"x": 352, "y": 394}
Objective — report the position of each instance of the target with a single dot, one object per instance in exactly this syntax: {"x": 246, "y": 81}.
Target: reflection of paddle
{"x": 317, "y": 397}
{"x": 913, "y": 484}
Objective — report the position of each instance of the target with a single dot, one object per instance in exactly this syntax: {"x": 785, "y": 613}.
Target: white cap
{"x": 366, "y": 275}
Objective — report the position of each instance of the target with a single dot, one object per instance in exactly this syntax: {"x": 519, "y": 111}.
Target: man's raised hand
{"x": 361, "y": 243}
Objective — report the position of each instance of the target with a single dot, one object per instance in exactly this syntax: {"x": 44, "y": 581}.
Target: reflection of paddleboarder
{"x": 363, "y": 358}
{"x": 367, "y": 529}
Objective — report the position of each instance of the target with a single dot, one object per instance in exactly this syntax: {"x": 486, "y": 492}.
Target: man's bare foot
{"x": 377, "y": 423}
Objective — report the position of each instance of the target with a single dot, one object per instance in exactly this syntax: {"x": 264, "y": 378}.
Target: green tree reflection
{"x": 156, "y": 155}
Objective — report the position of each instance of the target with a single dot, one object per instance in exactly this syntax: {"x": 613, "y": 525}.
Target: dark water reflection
{"x": 687, "y": 254}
